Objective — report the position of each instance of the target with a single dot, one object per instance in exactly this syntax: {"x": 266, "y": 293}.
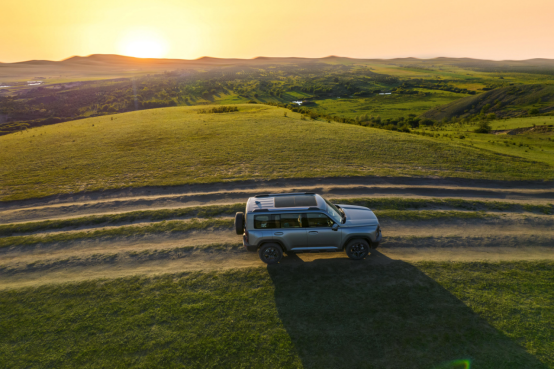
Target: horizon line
{"x": 270, "y": 57}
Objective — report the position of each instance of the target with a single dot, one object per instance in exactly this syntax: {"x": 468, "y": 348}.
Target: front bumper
{"x": 248, "y": 246}
{"x": 379, "y": 237}
{"x": 375, "y": 244}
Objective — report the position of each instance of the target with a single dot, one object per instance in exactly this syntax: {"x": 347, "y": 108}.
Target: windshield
{"x": 334, "y": 212}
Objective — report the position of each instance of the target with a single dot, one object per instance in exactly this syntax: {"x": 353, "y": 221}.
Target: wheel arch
{"x": 353, "y": 237}
{"x": 278, "y": 242}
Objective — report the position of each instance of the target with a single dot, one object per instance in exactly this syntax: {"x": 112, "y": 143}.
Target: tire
{"x": 239, "y": 223}
{"x": 270, "y": 253}
{"x": 357, "y": 249}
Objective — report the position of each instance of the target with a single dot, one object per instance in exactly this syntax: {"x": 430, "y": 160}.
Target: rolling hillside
{"x": 505, "y": 102}
{"x": 171, "y": 146}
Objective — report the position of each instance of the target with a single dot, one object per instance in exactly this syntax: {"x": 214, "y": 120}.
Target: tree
{"x": 426, "y": 122}
{"x": 484, "y": 127}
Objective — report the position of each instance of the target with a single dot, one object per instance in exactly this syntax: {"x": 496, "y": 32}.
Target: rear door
{"x": 287, "y": 228}
{"x": 320, "y": 232}
{"x": 292, "y": 231}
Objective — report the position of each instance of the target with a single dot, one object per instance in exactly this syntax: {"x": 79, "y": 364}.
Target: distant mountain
{"x": 105, "y": 65}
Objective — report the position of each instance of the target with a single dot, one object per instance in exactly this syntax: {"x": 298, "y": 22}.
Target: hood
{"x": 358, "y": 216}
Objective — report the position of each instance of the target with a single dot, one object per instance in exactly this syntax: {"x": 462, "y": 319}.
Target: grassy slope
{"x": 514, "y": 123}
{"x": 502, "y": 101}
{"x": 537, "y": 146}
{"x": 389, "y": 106}
{"x": 330, "y": 313}
{"x": 176, "y": 146}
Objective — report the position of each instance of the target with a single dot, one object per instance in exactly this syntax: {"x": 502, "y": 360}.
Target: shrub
{"x": 404, "y": 128}
{"x": 426, "y": 122}
{"x": 484, "y": 127}
{"x": 220, "y": 109}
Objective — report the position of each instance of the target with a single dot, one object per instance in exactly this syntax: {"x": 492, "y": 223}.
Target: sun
{"x": 143, "y": 44}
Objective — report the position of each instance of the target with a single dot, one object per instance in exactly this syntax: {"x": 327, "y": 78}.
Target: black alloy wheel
{"x": 271, "y": 253}
{"x": 357, "y": 249}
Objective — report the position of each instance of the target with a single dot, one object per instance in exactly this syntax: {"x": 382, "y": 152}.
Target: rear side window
{"x": 267, "y": 221}
{"x": 291, "y": 220}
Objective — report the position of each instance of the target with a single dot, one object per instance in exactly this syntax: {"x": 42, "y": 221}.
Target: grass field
{"x": 172, "y": 146}
{"x": 387, "y": 106}
{"x": 332, "y": 313}
{"x": 537, "y": 145}
{"x": 521, "y": 122}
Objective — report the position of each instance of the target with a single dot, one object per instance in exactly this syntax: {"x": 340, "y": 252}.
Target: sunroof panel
{"x": 292, "y": 201}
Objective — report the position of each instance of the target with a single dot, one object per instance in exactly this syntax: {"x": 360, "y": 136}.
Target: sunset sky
{"x": 188, "y": 29}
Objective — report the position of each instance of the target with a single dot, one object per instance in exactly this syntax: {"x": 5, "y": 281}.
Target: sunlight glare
{"x": 142, "y": 44}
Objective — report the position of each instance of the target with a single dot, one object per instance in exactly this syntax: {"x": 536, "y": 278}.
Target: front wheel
{"x": 270, "y": 253}
{"x": 357, "y": 249}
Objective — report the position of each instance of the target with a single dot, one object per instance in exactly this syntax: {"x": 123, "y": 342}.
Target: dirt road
{"x": 506, "y": 237}
{"x": 118, "y": 201}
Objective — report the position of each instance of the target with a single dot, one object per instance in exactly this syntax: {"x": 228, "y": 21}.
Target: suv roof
{"x": 285, "y": 201}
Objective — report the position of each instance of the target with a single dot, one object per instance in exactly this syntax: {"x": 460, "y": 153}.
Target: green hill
{"x": 512, "y": 101}
{"x": 171, "y": 146}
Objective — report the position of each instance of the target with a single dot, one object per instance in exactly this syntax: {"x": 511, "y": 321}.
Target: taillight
{"x": 246, "y": 235}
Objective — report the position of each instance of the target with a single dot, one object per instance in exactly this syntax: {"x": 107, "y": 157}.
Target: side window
{"x": 291, "y": 220}
{"x": 268, "y": 221}
{"x": 319, "y": 220}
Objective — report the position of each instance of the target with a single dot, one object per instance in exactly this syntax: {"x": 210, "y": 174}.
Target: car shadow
{"x": 383, "y": 313}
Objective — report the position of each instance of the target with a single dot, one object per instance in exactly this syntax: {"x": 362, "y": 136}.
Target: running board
{"x": 326, "y": 248}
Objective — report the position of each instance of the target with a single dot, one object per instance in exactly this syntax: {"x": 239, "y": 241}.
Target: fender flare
{"x": 352, "y": 237}
{"x": 278, "y": 242}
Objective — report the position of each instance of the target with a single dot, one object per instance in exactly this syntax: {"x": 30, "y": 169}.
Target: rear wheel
{"x": 239, "y": 223}
{"x": 270, "y": 253}
{"x": 357, "y": 249}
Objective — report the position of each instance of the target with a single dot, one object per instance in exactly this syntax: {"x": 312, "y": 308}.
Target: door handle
{"x": 313, "y": 232}
{"x": 278, "y": 233}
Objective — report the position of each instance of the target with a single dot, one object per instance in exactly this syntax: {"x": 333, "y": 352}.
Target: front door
{"x": 320, "y": 233}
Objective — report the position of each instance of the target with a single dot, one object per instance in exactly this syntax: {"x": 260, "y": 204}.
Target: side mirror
{"x": 335, "y": 227}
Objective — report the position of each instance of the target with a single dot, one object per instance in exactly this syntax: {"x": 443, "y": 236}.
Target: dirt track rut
{"x": 118, "y": 201}
{"x": 509, "y": 237}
